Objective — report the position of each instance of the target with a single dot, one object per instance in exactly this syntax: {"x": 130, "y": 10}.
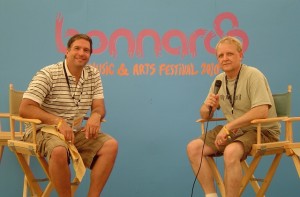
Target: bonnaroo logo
{"x": 188, "y": 44}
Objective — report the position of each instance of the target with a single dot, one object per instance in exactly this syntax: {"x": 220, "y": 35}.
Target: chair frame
{"x": 8, "y": 135}
{"x": 24, "y": 150}
{"x": 4, "y": 135}
{"x": 292, "y": 148}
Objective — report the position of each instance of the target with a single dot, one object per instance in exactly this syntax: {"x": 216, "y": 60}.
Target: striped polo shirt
{"x": 49, "y": 88}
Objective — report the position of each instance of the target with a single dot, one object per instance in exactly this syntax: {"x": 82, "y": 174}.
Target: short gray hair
{"x": 231, "y": 40}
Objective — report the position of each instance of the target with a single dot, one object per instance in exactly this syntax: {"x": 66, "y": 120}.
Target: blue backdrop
{"x": 157, "y": 62}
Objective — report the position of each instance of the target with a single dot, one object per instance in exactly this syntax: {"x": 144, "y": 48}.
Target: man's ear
{"x": 67, "y": 51}
{"x": 241, "y": 55}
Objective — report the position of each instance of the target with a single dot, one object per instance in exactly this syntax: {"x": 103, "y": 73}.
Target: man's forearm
{"x": 204, "y": 112}
{"x": 34, "y": 112}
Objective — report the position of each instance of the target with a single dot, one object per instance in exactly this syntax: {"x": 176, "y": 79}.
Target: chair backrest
{"x": 283, "y": 102}
{"x": 15, "y": 98}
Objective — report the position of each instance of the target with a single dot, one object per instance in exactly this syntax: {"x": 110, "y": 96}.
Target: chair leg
{"x": 48, "y": 190}
{"x": 34, "y": 186}
{"x": 249, "y": 174}
{"x": 269, "y": 175}
{"x": 1, "y": 152}
{"x": 259, "y": 190}
{"x": 296, "y": 161}
{"x": 217, "y": 175}
{"x": 25, "y": 185}
{"x": 74, "y": 187}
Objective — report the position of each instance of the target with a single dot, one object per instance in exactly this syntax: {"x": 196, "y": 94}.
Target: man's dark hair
{"x": 80, "y": 36}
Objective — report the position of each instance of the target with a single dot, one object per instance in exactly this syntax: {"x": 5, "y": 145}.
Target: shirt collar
{"x": 84, "y": 73}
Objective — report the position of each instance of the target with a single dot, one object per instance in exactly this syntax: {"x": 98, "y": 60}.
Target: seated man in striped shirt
{"x": 59, "y": 94}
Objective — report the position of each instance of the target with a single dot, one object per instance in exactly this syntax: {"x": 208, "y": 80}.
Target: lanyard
{"x": 232, "y": 99}
{"x": 73, "y": 96}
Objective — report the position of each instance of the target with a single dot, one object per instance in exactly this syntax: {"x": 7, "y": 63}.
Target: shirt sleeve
{"x": 39, "y": 86}
{"x": 97, "y": 84}
{"x": 259, "y": 90}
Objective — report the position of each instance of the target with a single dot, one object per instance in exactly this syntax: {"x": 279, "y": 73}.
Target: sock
{"x": 211, "y": 195}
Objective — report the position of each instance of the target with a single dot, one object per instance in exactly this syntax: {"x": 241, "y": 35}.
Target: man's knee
{"x": 111, "y": 146}
{"x": 194, "y": 147}
{"x": 233, "y": 152}
{"x": 59, "y": 154}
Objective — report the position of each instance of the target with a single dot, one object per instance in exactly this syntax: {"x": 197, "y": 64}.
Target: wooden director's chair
{"x": 259, "y": 150}
{"x": 6, "y": 135}
{"x": 24, "y": 150}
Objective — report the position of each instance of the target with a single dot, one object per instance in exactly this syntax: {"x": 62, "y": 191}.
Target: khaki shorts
{"x": 87, "y": 148}
{"x": 247, "y": 138}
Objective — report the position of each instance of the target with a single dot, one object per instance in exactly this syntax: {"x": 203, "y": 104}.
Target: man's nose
{"x": 81, "y": 52}
{"x": 225, "y": 57}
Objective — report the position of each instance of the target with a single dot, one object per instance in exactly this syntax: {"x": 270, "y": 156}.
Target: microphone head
{"x": 218, "y": 84}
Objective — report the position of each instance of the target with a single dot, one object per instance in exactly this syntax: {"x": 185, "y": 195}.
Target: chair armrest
{"x": 202, "y": 121}
{"x": 291, "y": 119}
{"x": 267, "y": 120}
{"x": 259, "y": 122}
{"x": 19, "y": 118}
{"x": 212, "y": 119}
{"x": 289, "y": 127}
{"x": 4, "y": 115}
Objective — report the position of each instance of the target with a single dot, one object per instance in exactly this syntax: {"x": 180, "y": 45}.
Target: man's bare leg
{"x": 59, "y": 171}
{"x": 205, "y": 177}
{"x": 103, "y": 167}
{"x": 233, "y": 169}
